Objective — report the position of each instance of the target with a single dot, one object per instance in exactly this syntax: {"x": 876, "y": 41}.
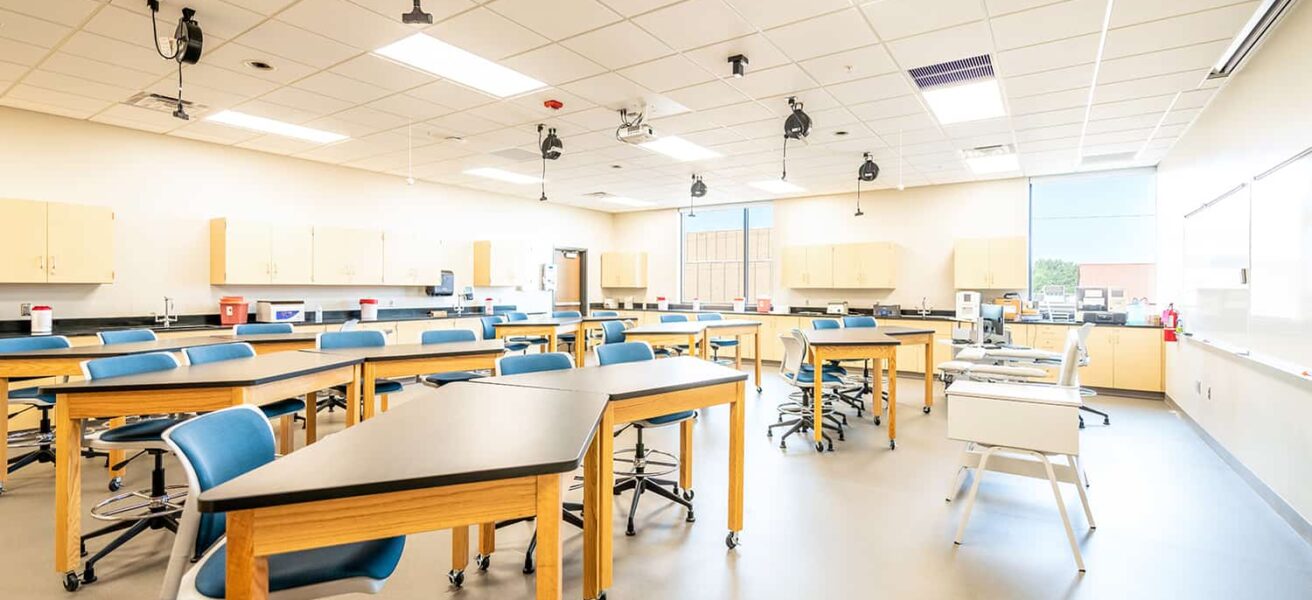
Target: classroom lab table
{"x": 194, "y": 388}
{"x": 738, "y": 328}
{"x": 353, "y": 487}
{"x": 855, "y": 343}
{"x": 910, "y": 336}
{"x": 411, "y": 360}
{"x": 585, "y": 326}
{"x": 67, "y": 362}
{"x": 692, "y": 333}
{"x": 549, "y": 328}
{"x": 265, "y": 343}
{"x": 637, "y": 391}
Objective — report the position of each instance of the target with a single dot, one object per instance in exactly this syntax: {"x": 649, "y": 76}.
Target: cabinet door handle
{"x": 41, "y": 262}
{"x": 52, "y": 264}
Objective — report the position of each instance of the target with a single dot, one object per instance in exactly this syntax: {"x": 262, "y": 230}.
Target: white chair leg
{"x": 1061, "y": 509}
{"x": 974, "y": 491}
{"x": 956, "y": 484}
{"x": 1079, "y": 486}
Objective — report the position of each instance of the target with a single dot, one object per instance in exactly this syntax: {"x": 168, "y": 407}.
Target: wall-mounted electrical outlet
{"x": 25, "y": 309}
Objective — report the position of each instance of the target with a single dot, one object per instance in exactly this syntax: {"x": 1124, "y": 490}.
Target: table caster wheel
{"x": 629, "y": 530}
{"x": 819, "y": 447}
{"x": 115, "y": 484}
{"x": 2, "y": 489}
{"x": 731, "y": 540}
{"x": 1105, "y": 421}
{"x": 692, "y": 517}
{"x": 877, "y": 421}
{"x": 758, "y": 390}
{"x": 483, "y": 562}
{"x": 1081, "y": 423}
{"x": 892, "y": 444}
{"x": 783, "y": 445}
{"x": 457, "y": 578}
{"x": 71, "y": 582}
{"x": 688, "y": 495}
{"x": 769, "y": 434}
{"x": 925, "y": 410}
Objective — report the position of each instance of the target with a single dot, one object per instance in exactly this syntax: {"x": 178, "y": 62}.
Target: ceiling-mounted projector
{"x": 633, "y": 130}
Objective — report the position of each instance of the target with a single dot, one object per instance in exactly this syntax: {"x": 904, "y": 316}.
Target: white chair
{"x": 798, "y": 412}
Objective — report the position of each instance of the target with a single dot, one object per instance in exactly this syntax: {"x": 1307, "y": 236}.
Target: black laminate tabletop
{"x": 270, "y": 338}
{"x": 849, "y": 336}
{"x": 896, "y": 330}
{"x": 240, "y": 372}
{"x": 730, "y": 323}
{"x": 461, "y": 433}
{"x": 407, "y": 351}
{"x": 673, "y": 328}
{"x": 102, "y": 351}
{"x": 539, "y": 322}
{"x": 627, "y": 380}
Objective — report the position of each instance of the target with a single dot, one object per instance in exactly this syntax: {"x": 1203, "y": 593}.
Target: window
{"x": 1095, "y": 230}
{"x": 726, "y": 253}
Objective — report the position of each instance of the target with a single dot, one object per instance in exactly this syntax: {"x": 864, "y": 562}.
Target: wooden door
{"x": 1138, "y": 359}
{"x": 79, "y": 243}
{"x": 22, "y": 241}
{"x": 291, "y": 250}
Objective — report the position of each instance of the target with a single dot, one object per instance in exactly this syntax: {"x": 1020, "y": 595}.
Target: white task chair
{"x": 797, "y": 413}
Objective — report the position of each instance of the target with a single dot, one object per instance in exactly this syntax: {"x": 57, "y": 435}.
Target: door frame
{"x": 583, "y": 276}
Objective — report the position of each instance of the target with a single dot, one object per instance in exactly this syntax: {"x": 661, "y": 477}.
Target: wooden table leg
{"x": 353, "y": 397}
{"x": 4, "y": 434}
{"x": 311, "y": 418}
{"x": 248, "y": 575}
{"x": 929, "y": 373}
{"x": 706, "y": 346}
{"x": 487, "y": 539}
{"x": 685, "y": 454}
{"x": 892, "y": 401}
{"x": 580, "y": 344}
{"x": 877, "y": 387}
{"x": 551, "y": 341}
{"x": 737, "y": 412}
{"x": 369, "y": 385}
{"x": 285, "y": 442}
{"x": 598, "y": 483}
{"x": 68, "y": 488}
{"x": 116, "y": 456}
{"x": 738, "y": 352}
{"x": 548, "y": 575}
{"x": 459, "y": 548}
{"x": 756, "y": 341}
{"x": 818, "y": 393}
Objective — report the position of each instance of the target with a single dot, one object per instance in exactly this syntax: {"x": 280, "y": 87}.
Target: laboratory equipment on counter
{"x": 968, "y": 306}
{"x": 836, "y": 308}
{"x": 280, "y": 311}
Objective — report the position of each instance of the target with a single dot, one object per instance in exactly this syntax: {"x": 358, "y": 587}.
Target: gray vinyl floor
{"x": 861, "y": 522}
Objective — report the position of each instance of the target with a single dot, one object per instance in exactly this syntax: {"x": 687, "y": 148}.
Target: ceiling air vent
{"x": 953, "y": 72}
{"x": 1108, "y": 159}
{"x": 517, "y": 154}
{"x": 162, "y": 103}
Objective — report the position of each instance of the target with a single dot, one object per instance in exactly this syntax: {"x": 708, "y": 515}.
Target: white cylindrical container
{"x": 43, "y": 320}
{"x": 696, "y": 305}
{"x": 489, "y": 306}
{"x": 739, "y": 304}
{"x": 662, "y": 303}
{"x": 368, "y": 309}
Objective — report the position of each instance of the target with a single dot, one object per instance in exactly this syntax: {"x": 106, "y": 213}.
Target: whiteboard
{"x": 1280, "y": 315}
{"x": 1216, "y": 297}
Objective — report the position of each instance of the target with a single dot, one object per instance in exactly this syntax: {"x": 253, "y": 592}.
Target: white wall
{"x": 1258, "y": 119}
{"x": 164, "y": 190}
{"x": 924, "y": 221}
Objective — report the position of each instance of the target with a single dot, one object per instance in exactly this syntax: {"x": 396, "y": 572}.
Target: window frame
{"x": 744, "y": 208}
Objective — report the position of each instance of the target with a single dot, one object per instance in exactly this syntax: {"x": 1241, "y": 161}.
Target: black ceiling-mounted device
{"x": 417, "y": 16}
{"x": 739, "y": 63}
{"x": 188, "y": 43}
{"x": 697, "y": 191}
{"x": 551, "y": 148}
{"x": 796, "y": 127}
{"x": 867, "y": 172}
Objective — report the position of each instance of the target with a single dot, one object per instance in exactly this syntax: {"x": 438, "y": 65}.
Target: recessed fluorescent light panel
{"x": 961, "y": 90}
{"x": 427, "y": 53}
{"x": 679, "y": 149}
{"x": 991, "y": 159}
{"x": 502, "y": 175}
{"x": 777, "y": 186}
{"x": 254, "y": 123}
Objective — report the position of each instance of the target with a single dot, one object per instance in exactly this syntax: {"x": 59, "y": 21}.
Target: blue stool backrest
{"x": 859, "y": 322}
{"x": 824, "y": 324}
{"x": 612, "y": 354}
{"x": 259, "y": 328}
{"x": 566, "y": 314}
{"x": 534, "y": 363}
{"x": 516, "y": 316}
{"x": 126, "y": 336}
{"x": 446, "y": 336}
{"x": 129, "y": 364}
{"x": 614, "y": 332}
{"x": 362, "y": 338}
{"x": 605, "y": 313}
{"x": 674, "y": 318}
{"x": 710, "y": 317}
{"x": 217, "y": 447}
{"x": 490, "y": 326}
{"x": 44, "y": 342}
{"x": 200, "y": 355}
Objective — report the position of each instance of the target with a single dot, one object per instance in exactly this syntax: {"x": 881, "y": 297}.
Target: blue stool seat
{"x": 31, "y": 396}
{"x": 516, "y": 345}
{"x": 375, "y": 559}
{"x": 148, "y": 430}
{"x": 381, "y": 386}
{"x": 530, "y": 340}
{"x": 829, "y": 368}
{"x": 670, "y": 418}
{"x": 277, "y": 409}
{"x": 451, "y": 377}
{"x": 809, "y": 377}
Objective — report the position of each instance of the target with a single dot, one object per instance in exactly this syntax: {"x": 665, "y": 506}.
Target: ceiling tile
{"x": 275, "y": 144}
{"x": 1048, "y": 81}
{"x": 65, "y": 12}
{"x": 440, "y": 9}
{"x": 1078, "y": 50}
{"x": 463, "y": 124}
{"x": 451, "y": 94}
{"x": 553, "y": 64}
{"x": 871, "y": 88}
{"x": 215, "y": 133}
{"x": 35, "y": 96}
{"x": 123, "y": 54}
{"x": 766, "y": 14}
{"x": 672, "y": 72}
{"x": 1126, "y": 108}
{"x": 1049, "y": 133}
{"x": 269, "y": 110}
{"x": 1046, "y": 102}
{"x": 45, "y": 107}
{"x": 896, "y": 19}
{"x": 783, "y": 80}
{"x": 264, "y": 7}
{"x": 760, "y": 53}
{"x": 1139, "y": 11}
{"x": 1052, "y": 118}
{"x": 954, "y": 43}
{"x": 850, "y": 65}
{"x": 344, "y": 22}
{"x": 77, "y": 86}
{"x": 281, "y": 39}
{"x": 606, "y": 90}
{"x": 1147, "y": 121}
{"x": 1206, "y": 26}
{"x": 305, "y": 100}
{"x": 618, "y": 45}
{"x": 1152, "y": 86}
{"x": 905, "y": 123}
{"x": 94, "y": 70}
{"x": 410, "y": 107}
{"x": 1194, "y": 99}
{"x": 1048, "y": 23}
{"x": 11, "y": 71}
{"x": 737, "y": 114}
{"x": 630, "y": 8}
{"x": 15, "y": 51}
{"x": 29, "y": 30}
{"x": 486, "y": 34}
{"x": 223, "y": 79}
{"x": 707, "y": 95}
{"x": 1199, "y": 57}
{"x": 695, "y": 23}
{"x": 220, "y": 20}
{"x": 827, "y": 34}
{"x": 376, "y": 119}
{"x": 557, "y": 19}
{"x": 891, "y": 107}
{"x": 342, "y": 88}
{"x": 382, "y": 73}
{"x": 233, "y": 56}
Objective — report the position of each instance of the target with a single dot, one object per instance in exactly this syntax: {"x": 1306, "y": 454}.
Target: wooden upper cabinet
{"x": 291, "y": 251}
{"x": 345, "y": 256}
{"x": 970, "y": 264}
{"x": 255, "y": 253}
{"x": 820, "y": 266}
{"x": 991, "y": 263}
{"x": 79, "y": 243}
{"x": 22, "y": 241}
{"x": 842, "y": 266}
{"x": 502, "y": 263}
{"x": 624, "y": 269}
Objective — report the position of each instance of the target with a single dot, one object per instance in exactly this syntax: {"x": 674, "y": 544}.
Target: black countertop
{"x": 849, "y": 336}
{"x": 461, "y": 433}
{"x": 811, "y": 311}
{"x": 102, "y": 351}
{"x": 240, "y": 372}
{"x": 406, "y": 351}
{"x": 627, "y": 380}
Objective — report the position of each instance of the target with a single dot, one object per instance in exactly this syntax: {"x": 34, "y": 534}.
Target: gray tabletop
{"x": 674, "y": 328}
{"x": 627, "y": 380}
{"x": 240, "y": 372}
{"x": 896, "y": 330}
{"x": 407, "y": 351}
{"x": 849, "y": 336}
{"x": 270, "y": 338}
{"x": 730, "y": 323}
{"x": 461, "y": 433}
{"x": 102, "y": 351}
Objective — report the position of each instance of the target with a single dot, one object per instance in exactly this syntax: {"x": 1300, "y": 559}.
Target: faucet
{"x": 168, "y": 318}
{"x": 924, "y": 306}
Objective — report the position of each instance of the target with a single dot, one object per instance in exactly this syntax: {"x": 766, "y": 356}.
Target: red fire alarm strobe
{"x": 553, "y": 104}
